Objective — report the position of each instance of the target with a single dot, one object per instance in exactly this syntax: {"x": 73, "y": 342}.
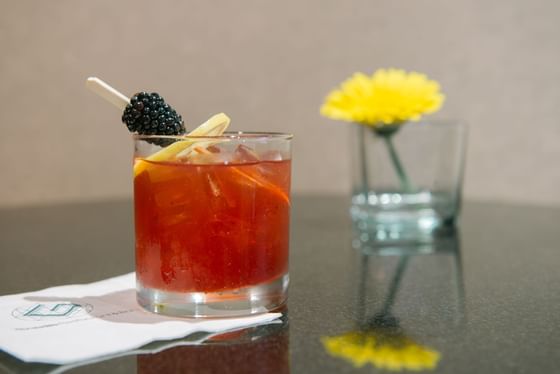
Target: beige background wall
{"x": 268, "y": 64}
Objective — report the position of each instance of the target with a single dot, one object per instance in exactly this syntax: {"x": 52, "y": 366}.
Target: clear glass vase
{"x": 407, "y": 183}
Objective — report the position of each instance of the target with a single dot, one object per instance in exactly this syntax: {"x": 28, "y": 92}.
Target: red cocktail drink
{"x": 213, "y": 229}
{"x": 209, "y": 228}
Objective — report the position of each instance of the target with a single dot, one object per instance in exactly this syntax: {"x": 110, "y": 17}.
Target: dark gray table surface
{"x": 486, "y": 299}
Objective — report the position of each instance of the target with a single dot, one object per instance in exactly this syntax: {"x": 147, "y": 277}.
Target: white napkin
{"x": 67, "y": 324}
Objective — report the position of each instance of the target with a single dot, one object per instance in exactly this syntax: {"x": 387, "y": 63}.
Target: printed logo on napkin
{"x": 52, "y": 311}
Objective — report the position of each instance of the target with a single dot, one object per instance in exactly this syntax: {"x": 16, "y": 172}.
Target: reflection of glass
{"x": 406, "y": 299}
{"x": 212, "y": 222}
{"x": 263, "y": 349}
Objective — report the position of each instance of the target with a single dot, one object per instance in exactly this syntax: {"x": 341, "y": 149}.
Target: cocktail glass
{"x": 212, "y": 223}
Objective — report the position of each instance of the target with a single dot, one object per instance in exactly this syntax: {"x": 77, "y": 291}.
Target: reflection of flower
{"x": 384, "y": 351}
{"x": 380, "y": 340}
{"x": 388, "y": 97}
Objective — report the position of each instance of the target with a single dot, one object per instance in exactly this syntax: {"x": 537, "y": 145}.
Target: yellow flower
{"x": 388, "y": 97}
{"x": 394, "y": 353}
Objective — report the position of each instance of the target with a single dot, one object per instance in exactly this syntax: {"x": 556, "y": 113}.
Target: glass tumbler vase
{"x": 407, "y": 181}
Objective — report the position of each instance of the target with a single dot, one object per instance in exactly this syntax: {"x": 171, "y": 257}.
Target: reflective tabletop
{"x": 480, "y": 299}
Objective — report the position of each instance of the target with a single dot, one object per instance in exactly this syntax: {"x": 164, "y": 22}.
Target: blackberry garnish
{"x": 148, "y": 114}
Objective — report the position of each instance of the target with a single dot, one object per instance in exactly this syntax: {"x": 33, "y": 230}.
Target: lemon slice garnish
{"x": 215, "y": 126}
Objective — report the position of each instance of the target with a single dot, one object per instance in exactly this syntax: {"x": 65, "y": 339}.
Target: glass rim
{"x": 230, "y": 135}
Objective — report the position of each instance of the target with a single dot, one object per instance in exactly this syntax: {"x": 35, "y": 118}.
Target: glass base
{"x": 262, "y": 298}
{"x": 391, "y": 217}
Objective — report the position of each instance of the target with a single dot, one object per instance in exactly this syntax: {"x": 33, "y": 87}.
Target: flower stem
{"x": 363, "y": 164}
{"x": 399, "y": 169}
